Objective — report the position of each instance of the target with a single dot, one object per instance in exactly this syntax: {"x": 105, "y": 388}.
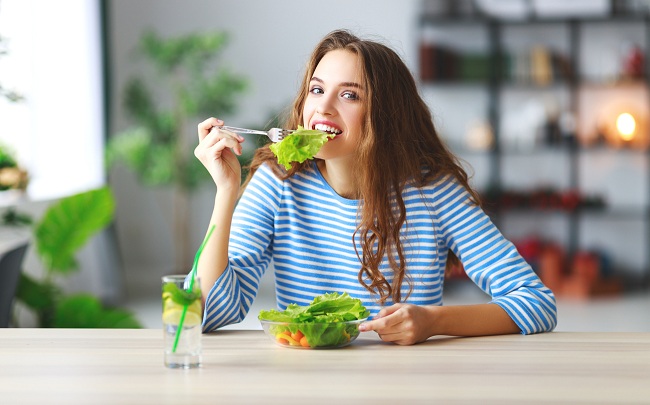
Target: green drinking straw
{"x": 189, "y": 288}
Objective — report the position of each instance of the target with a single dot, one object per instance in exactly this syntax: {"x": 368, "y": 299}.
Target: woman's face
{"x": 336, "y": 103}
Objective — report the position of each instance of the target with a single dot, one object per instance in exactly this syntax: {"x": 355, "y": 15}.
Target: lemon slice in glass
{"x": 172, "y": 313}
{"x": 173, "y": 317}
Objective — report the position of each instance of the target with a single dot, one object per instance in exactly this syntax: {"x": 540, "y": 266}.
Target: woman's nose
{"x": 326, "y": 105}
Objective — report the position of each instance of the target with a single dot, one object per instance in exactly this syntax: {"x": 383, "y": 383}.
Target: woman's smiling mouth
{"x": 327, "y": 128}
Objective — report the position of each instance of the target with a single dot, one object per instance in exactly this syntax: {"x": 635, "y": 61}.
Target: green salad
{"x": 319, "y": 324}
{"x": 301, "y": 145}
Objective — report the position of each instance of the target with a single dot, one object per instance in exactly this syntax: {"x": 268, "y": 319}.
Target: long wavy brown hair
{"x": 399, "y": 144}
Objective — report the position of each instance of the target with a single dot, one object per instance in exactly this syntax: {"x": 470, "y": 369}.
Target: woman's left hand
{"x": 402, "y": 324}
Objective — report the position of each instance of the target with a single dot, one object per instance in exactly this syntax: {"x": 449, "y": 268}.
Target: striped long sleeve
{"x": 306, "y": 231}
{"x": 492, "y": 262}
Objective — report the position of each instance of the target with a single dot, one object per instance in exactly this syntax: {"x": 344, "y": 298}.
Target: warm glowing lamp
{"x": 626, "y": 126}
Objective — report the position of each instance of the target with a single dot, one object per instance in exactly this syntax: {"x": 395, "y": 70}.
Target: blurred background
{"x": 545, "y": 101}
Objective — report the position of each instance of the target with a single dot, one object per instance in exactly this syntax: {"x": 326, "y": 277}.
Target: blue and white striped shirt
{"x": 306, "y": 229}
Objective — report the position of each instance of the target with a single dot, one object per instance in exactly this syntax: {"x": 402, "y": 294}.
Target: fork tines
{"x": 280, "y": 133}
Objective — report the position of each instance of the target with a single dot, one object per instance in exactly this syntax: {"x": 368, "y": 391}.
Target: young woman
{"x": 375, "y": 214}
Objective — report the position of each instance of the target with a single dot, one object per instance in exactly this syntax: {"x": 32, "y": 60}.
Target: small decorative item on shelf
{"x": 552, "y": 131}
{"x": 441, "y": 63}
{"x": 454, "y": 269}
{"x": 523, "y": 126}
{"x": 582, "y": 276}
{"x": 505, "y": 9}
{"x": 615, "y": 116}
{"x": 538, "y": 66}
{"x": 449, "y": 8}
{"x": 12, "y": 177}
{"x": 624, "y": 127}
{"x": 479, "y": 136}
{"x": 632, "y": 63}
{"x": 544, "y": 198}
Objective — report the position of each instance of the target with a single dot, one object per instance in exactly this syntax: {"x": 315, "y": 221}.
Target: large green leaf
{"x": 34, "y": 294}
{"x": 40, "y": 297}
{"x": 69, "y": 224}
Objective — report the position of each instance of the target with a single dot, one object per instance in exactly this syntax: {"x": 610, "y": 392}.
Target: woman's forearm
{"x": 407, "y": 324}
{"x": 472, "y": 320}
{"x": 214, "y": 258}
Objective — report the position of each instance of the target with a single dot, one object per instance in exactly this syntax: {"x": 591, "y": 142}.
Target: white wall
{"x": 57, "y": 69}
{"x": 270, "y": 43}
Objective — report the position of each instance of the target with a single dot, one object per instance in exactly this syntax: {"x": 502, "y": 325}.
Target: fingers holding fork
{"x": 213, "y": 140}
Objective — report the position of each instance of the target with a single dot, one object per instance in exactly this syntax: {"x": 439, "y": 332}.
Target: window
{"x": 54, "y": 60}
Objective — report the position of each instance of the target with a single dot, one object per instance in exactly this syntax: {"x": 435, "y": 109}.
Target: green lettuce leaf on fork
{"x": 299, "y": 146}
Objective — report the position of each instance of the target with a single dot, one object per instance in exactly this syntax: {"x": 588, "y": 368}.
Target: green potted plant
{"x": 158, "y": 148}
{"x": 66, "y": 227}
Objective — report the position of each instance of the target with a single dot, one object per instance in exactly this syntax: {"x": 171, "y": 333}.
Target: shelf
{"x": 472, "y": 20}
{"x": 632, "y": 213}
{"x": 537, "y": 151}
{"x": 513, "y": 84}
{"x": 453, "y": 83}
{"x": 530, "y": 86}
{"x": 609, "y": 151}
{"x": 567, "y": 149}
{"x": 567, "y": 66}
{"x": 612, "y": 84}
{"x": 610, "y": 213}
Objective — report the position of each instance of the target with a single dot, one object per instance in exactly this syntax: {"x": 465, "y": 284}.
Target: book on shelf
{"x": 538, "y": 66}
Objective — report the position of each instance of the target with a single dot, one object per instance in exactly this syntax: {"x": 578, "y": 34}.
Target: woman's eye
{"x": 316, "y": 90}
{"x": 350, "y": 95}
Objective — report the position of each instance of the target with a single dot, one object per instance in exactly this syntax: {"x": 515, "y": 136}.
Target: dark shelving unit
{"x": 495, "y": 84}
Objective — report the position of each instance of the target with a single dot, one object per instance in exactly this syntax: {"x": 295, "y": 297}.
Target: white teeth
{"x": 327, "y": 128}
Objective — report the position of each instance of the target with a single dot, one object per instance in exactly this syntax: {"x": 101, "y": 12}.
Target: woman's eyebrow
{"x": 342, "y": 84}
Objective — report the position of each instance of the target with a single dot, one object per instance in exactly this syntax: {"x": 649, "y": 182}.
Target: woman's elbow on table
{"x": 533, "y": 309}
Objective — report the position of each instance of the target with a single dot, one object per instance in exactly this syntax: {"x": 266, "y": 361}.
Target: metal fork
{"x": 274, "y": 134}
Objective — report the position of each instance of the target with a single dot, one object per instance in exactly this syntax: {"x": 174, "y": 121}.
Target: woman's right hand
{"x": 217, "y": 150}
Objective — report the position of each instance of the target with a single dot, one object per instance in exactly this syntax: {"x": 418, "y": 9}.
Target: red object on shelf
{"x": 455, "y": 271}
{"x": 633, "y": 63}
{"x": 529, "y": 249}
{"x": 584, "y": 274}
{"x": 427, "y": 68}
{"x": 570, "y": 200}
{"x": 551, "y": 267}
{"x": 586, "y": 266}
{"x": 582, "y": 279}
{"x": 585, "y": 279}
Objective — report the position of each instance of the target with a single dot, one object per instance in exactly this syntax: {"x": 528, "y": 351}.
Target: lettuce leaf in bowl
{"x": 326, "y": 308}
{"x": 301, "y": 145}
{"x": 324, "y": 322}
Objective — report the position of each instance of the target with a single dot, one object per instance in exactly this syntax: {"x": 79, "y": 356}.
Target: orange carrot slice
{"x": 303, "y": 342}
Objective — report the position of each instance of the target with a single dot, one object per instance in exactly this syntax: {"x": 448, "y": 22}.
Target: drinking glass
{"x": 181, "y": 319}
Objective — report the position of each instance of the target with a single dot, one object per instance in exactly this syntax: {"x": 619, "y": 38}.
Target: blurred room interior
{"x": 545, "y": 101}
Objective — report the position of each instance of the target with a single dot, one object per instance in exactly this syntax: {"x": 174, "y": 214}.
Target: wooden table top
{"x": 125, "y": 366}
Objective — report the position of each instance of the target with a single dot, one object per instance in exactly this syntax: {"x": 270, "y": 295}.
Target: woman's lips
{"x": 327, "y": 126}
